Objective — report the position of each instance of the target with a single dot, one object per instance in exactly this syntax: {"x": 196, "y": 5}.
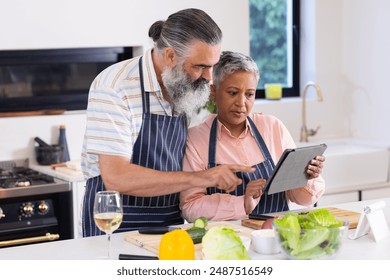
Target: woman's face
{"x": 234, "y": 98}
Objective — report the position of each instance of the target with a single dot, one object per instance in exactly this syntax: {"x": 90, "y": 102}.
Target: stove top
{"x": 22, "y": 177}
{"x": 17, "y": 179}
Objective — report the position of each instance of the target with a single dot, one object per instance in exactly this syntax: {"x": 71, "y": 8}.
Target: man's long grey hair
{"x": 182, "y": 28}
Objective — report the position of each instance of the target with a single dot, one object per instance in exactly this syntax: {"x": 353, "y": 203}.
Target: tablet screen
{"x": 290, "y": 171}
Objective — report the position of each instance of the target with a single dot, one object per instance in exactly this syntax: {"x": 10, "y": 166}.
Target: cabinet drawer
{"x": 376, "y": 193}
{"x": 329, "y": 199}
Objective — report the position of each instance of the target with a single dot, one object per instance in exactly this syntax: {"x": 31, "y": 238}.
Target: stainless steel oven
{"x": 34, "y": 207}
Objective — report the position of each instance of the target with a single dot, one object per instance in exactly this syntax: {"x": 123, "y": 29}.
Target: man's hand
{"x": 223, "y": 176}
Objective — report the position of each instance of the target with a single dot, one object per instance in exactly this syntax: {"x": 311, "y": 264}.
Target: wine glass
{"x": 108, "y": 213}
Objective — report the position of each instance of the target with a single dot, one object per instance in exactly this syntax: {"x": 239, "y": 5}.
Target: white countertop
{"x": 92, "y": 248}
{"x": 63, "y": 173}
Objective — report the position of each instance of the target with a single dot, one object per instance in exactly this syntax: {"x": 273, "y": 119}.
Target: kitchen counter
{"x": 92, "y": 248}
{"x": 63, "y": 173}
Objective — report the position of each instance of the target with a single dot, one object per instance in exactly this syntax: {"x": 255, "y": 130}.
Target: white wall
{"x": 345, "y": 50}
{"x": 366, "y": 62}
{"x": 18, "y": 133}
{"x": 35, "y": 24}
{"x": 38, "y": 24}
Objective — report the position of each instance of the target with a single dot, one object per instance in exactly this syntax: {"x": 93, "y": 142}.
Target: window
{"x": 274, "y": 43}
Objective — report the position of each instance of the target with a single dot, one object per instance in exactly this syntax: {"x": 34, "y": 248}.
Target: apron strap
{"x": 145, "y": 95}
{"x": 213, "y": 142}
{"x": 260, "y": 140}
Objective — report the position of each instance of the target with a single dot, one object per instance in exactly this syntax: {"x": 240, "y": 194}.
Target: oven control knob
{"x": 43, "y": 208}
{"x": 28, "y": 209}
{"x": 1, "y": 213}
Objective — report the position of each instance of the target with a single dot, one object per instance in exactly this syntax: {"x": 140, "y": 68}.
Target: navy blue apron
{"x": 268, "y": 203}
{"x": 160, "y": 145}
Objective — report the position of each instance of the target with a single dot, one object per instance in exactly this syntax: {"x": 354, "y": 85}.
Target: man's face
{"x": 187, "y": 83}
{"x": 201, "y": 59}
{"x": 186, "y": 94}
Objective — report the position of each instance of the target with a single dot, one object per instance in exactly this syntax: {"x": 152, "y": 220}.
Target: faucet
{"x": 305, "y": 133}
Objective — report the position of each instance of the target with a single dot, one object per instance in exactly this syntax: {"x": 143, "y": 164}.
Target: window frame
{"x": 294, "y": 90}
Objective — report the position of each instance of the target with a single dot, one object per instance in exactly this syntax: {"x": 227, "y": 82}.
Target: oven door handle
{"x": 28, "y": 240}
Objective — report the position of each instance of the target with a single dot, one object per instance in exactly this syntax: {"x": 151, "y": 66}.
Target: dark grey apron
{"x": 160, "y": 145}
{"x": 268, "y": 203}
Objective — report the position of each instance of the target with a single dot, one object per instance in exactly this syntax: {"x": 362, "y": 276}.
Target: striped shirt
{"x": 114, "y": 113}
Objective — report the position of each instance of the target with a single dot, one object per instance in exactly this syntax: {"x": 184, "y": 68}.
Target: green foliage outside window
{"x": 268, "y": 39}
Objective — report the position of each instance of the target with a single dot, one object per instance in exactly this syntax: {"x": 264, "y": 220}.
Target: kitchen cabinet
{"x": 354, "y": 193}
{"x": 376, "y": 193}
{"x": 78, "y": 190}
{"x": 328, "y": 199}
{"x": 77, "y": 182}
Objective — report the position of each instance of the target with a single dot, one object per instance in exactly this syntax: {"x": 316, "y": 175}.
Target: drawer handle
{"x": 21, "y": 241}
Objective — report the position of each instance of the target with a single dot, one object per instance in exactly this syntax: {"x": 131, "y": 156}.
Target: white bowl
{"x": 264, "y": 242}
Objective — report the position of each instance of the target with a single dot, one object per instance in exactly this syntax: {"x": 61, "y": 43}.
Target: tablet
{"x": 290, "y": 172}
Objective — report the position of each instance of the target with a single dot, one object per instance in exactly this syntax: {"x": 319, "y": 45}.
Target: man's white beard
{"x": 187, "y": 96}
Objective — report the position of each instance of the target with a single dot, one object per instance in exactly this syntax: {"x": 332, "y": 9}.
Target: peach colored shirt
{"x": 242, "y": 150}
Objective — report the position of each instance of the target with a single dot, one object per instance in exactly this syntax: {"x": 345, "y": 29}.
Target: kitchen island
{"x": 94, "y": 248}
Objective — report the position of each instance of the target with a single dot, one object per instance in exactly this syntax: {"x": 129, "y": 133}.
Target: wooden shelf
{"x": 31, "y": 113}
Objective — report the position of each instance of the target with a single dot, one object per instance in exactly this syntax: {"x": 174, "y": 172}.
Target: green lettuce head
{"x": 222, "y": 243}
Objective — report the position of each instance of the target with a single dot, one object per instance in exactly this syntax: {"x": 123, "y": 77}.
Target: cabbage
{"x": 222, "y": 243}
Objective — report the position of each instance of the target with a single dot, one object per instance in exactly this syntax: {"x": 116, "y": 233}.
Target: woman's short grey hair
{"x": 182, "y": 28}
{"x": 231, "y": 62}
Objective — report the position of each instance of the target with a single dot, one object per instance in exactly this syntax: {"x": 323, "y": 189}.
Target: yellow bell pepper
{"x": 176, "y": 245}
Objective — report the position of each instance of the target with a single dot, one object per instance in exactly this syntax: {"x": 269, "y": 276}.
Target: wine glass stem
{"x": 109, "y": 245}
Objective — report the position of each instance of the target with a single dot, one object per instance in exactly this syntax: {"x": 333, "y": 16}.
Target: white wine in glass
{"x": 108, "y": 213}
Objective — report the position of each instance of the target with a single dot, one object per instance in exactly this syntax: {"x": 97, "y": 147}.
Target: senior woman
{"x": 238, "y": 135}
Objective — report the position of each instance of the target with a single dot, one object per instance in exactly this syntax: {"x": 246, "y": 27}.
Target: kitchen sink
{"x": 354, "y": 162}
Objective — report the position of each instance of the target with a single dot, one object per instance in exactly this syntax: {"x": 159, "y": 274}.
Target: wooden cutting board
{"x": 352, "y": 217}
{"x": 32, "y": 113}
{"x": 151, "y": 242}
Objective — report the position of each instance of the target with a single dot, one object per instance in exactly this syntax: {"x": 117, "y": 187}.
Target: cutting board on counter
{"x": 352, "y": 217}
{"x": 151, "y": 242}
